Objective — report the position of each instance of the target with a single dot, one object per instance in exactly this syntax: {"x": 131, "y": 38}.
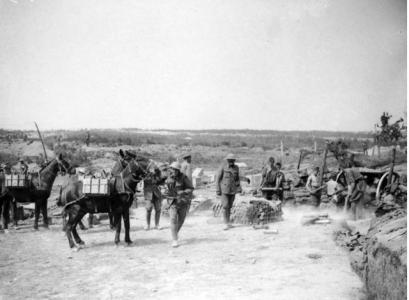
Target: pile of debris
{"x": 252, "y": 211}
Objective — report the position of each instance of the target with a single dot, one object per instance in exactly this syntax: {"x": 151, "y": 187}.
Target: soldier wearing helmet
{"x": 227, "y": 186}
{"x": 180, "y": 190}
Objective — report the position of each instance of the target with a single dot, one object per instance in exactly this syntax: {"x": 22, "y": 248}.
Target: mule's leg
{"x": 44, "y": 213}
{"x": 14, "y": 212}
{"x": 2, "y": 211}
{"x": 111, "y": 220}
{"x": 90, "y": 220}
{"x": 6, "y": 213}
{"x": 36, "y": 214}
{"x": 125, "y": 216}
{"x": 77, "y": 219}
{"x": 117, "y": 224}
{"x": 64, "y": 220}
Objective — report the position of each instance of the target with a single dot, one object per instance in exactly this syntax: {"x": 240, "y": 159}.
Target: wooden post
{"x": 282, "y": 150}
{"x": 299, "y": 160}
{"x": 392, "y": 166}
{"x": 42, "y": 142}
{"x": 323, "y": 165}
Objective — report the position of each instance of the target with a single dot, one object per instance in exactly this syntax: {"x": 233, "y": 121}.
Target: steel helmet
{"x": 175, "y": 165}
{"x": 230, "y": 156}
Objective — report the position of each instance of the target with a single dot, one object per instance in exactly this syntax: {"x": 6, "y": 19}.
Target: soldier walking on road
{"x": 227, "y": 186}
{"x": 179, "y": 196}
{"x": 153, "y": 196}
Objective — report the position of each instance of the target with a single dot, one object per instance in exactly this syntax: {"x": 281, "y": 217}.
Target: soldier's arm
{"x": 308, "y": 184}
{"x": 218, "y": 180}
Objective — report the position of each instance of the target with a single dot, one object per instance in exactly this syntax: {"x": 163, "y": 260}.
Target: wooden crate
{"x": 17, "y": 181}
{"x": 95, "y": 186}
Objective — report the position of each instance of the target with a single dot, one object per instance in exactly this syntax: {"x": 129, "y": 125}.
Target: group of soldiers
{"x": 22, "y": 168}
{"x": 177, "y": 178}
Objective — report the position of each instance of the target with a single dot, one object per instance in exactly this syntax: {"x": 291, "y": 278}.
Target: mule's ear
{"x": 121, "y": 153}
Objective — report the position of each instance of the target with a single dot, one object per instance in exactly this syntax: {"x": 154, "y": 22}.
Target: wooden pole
{"x": 42, "y": 142}
{"x": 282, "y": 150}
{"x": 392, "y": 166}
{"x": 323, "y": 165}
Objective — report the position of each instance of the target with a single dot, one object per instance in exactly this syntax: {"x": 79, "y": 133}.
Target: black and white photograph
{"x": 203, "y": 149}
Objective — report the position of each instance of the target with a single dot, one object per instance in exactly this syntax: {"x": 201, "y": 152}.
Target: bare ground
{"x": 300, "y": 262}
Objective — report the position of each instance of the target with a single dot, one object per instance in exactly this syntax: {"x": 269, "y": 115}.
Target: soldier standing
{"x": 227, "y": 186}
{"x": 268, "y": 178}
{"x": 356, "y": 190}
{"x": 153, "y": 196}
{"x": 23, "y": 167}
{"x": 187, "y": 165}
{"x": 179, "y": 196}
{"x": 313, "y": 187}
{"x": 280, "y": 178}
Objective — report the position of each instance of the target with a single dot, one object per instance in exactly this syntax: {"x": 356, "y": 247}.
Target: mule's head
{"x": 63, "y": 166}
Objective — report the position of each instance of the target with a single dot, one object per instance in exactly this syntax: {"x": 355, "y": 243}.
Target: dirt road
{"x": 300, "y": 262}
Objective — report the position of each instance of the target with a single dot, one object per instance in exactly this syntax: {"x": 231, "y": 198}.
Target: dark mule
{"x": 40, "y": 188}
{"x": 5, "y": 202}
{"x": 122, "y": 189}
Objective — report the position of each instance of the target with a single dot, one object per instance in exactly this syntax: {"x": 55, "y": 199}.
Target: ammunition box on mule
{"x": 17, "y": 181}
{"x": 95, "y": 186}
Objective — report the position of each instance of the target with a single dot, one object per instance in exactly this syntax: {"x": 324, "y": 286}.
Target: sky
{"x": 202, "y": 64}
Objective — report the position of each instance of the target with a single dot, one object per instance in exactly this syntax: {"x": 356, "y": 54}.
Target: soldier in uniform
{"x": 280, "y": 178}
{"x": 23, "y": 167}
{"x": 356, "y": 191}
{"x": 153, "y": 196}
{"x": 313, "y": 186}
{"x": 187, "y": 165}
{"x": 179, "y": 196}
{"x": 268, "y": 178}
{"x": 227, "y": 186}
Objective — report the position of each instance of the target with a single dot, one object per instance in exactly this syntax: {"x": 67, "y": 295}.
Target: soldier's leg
{"x": 226, "y": 208}
{"x": 149, "y": 207}
{"x": 158, "y": 207}
{"x": 182, "y": 212}
{"x": 173, "y": 216}
{"x": 231, "y": 200}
